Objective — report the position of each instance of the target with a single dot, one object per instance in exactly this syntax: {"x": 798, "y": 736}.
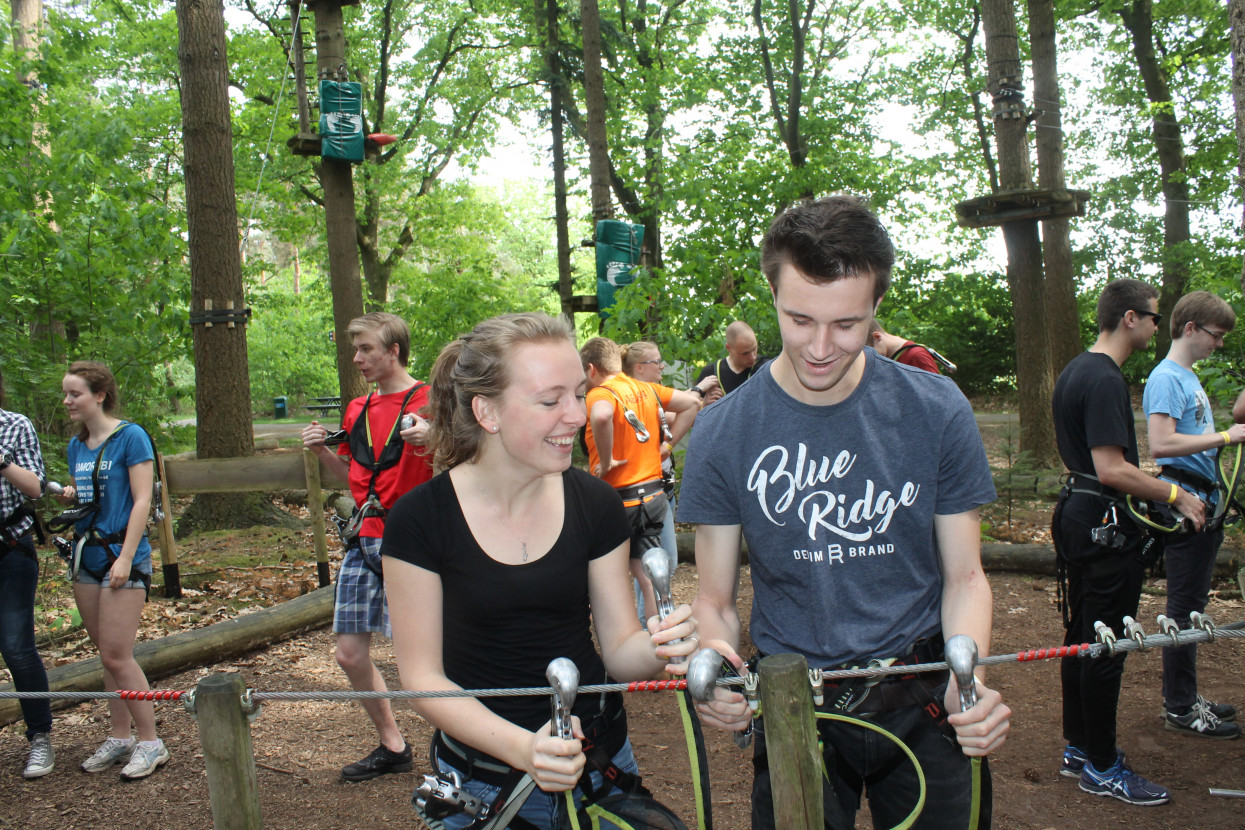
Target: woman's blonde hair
{"x": 477, "y": 363}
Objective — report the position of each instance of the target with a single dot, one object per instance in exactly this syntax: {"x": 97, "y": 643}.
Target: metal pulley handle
{"x": 656, "y": 564}
{"x": 962, "y": 658}
{"x": 703, "y": 672}
{"x": 563, "y": 676}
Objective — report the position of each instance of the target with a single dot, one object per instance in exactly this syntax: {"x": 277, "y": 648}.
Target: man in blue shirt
{"x": 1184, "y": 443}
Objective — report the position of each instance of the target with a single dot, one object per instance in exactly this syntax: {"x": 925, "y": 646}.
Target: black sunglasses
{"x": 1158, "y": 318}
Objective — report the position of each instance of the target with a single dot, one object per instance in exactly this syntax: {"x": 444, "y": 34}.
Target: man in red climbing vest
{"x": 382, "y": 461}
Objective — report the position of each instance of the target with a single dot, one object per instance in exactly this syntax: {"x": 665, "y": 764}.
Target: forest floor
{"x": 300, "y": 747}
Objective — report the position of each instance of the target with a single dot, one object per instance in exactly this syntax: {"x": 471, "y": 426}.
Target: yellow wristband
{"x": 1171, "y": 498}
{"x": 1227, "y": 439}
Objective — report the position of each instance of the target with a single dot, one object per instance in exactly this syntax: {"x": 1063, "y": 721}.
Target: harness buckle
{"x": 438, "y": 798}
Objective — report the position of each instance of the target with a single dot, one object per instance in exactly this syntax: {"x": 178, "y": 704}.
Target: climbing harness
{"x": 361, "y": 451}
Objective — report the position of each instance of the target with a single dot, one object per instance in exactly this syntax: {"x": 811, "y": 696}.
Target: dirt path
{"x": 301, "y": 746}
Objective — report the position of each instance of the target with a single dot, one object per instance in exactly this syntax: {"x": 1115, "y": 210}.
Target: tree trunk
{"x": 788, "y": 111}
{"x": 547, "y": 12}
{"x": 337, "y": 184}
{"x": 1024, "y": 249}
{"x": 27, "y": 26}
{"x": 1063, "y": 321}
{"x": 594, "y": 102}
{"x": 1236, "y": 21}
{"x": 1169, "y": 147}
{"x": 222, "y": 379}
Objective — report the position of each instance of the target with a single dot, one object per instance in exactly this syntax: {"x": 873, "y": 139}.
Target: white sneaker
{"x": 145, "y": 760}
{"x": 41, "y": 758}
{"x": 111, "y": 751}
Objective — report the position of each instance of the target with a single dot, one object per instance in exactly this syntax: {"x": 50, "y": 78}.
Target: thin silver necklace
{"x": 520, "y": 539}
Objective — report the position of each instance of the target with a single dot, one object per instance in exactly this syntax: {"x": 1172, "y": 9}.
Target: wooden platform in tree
{"x": 1020, "y": 205}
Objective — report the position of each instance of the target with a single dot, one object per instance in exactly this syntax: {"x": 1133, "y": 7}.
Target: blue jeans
{"x": 19, "y": 574}
{"x": 541, "y": 808}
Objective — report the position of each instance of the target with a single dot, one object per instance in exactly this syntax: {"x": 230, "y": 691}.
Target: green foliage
{"x": 91, "y": 261}
{"x": 477, "y": 253}
{"x": 289, "y": 351}
{"x": 966, "y": 316}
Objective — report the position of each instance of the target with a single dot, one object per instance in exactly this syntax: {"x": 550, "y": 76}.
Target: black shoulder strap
{"x": 361, "y": 449}
{"x": 903, "y": 349}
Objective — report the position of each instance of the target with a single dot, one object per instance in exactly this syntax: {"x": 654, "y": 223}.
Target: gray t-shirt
{"x": 837, "y": 505}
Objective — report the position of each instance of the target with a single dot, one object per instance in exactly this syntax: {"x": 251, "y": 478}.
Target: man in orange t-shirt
{"x": 624, "y": 443}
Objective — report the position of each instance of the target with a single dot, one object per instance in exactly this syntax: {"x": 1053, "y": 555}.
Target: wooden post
{"x": 168, "y": 548}
{"x": 315, "y": 506}
{"x": 225, "y": 737}
{"x": 791, "y": 739}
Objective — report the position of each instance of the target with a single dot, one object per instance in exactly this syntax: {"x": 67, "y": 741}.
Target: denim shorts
{"x": 85, "y": 578}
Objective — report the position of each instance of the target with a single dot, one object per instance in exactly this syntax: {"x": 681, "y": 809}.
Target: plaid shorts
{"x": 359, "y": 606}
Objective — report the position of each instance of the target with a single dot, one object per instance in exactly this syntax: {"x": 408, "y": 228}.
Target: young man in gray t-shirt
{"x": 856, "y": 482}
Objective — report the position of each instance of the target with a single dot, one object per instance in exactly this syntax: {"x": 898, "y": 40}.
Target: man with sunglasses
{"x": 1098, "y": 547}
{"x": 1185, "y": 446}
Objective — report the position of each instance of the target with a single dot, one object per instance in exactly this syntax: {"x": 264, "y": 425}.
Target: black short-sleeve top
{"x": 502, "y": 624}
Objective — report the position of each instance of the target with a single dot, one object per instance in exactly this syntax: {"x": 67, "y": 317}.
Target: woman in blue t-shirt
{"x": 510, "y": 558}
{"x": 114, "y": 570}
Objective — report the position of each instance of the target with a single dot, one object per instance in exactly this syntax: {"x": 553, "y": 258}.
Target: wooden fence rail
{"x": 263, "y": 473}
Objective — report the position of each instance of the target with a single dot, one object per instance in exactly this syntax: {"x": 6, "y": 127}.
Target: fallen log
{"x": 190, "y": 649}
{"x": 1035, "y": 559}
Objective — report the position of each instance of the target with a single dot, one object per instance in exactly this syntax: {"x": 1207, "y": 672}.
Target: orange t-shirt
{"x": 643, "y": 460}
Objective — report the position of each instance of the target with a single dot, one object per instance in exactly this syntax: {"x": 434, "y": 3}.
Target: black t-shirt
{"x": 728, "y": 378}
{"x": 503, "y": 624}
{"x": 1092, "y": 409}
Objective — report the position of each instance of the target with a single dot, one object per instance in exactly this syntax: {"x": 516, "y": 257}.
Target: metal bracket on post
{"x": 250, "y": 706}
{"x": 188, "y": 703}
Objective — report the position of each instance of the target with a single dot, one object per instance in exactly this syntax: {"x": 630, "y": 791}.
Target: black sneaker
{"x": 1200, "y": 720}
{"x": 382, "y": 761}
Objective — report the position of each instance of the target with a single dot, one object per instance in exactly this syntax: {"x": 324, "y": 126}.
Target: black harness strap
{"x": 362, "y": 452}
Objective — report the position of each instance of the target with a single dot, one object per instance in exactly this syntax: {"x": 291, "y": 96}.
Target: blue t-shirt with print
{"x": 129, "y": 446}
{"x": 1175, "y": 391}
{"x": 837, "y": 505}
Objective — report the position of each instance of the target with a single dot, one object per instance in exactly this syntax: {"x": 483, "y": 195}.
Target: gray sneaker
{"x": 41, "y": 758}
{"x": 111, "y": 751}
{"x": 1199, "y": 720}
{"x": 145, "y": 760}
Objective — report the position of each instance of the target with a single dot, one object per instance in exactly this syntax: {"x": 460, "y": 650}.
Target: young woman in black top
{"x": 504, "y": 560}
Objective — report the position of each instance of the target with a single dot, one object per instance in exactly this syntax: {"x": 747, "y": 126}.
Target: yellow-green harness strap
{"x": 697, "y": 759}
{"x": 920, "y": 773}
